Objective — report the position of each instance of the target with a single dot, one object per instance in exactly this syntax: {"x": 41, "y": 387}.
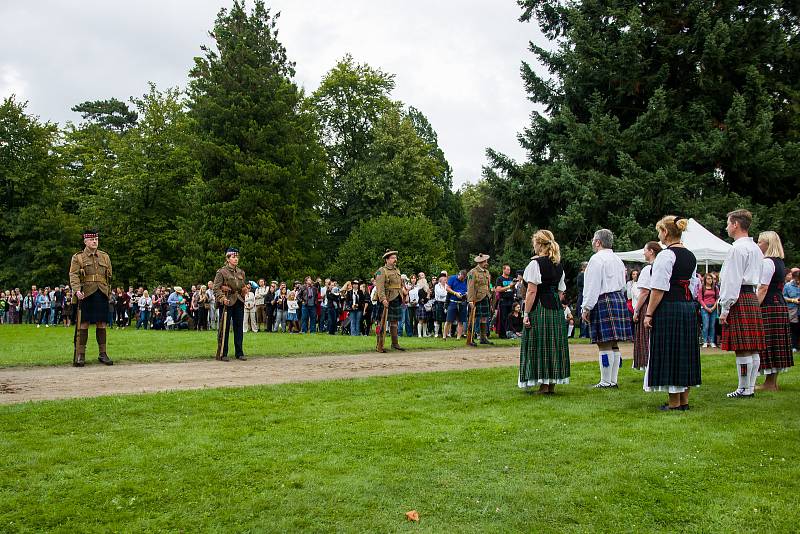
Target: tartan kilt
{"x": 439, "y": 312}
{"x": 641, "y": 341}
{"x": 745, "y": 328}
{"x": 544, "y": 351}
{"x": 674, "y": 347}
{"x": 777, "y": 356}
{"x": 483, "y": 310}
{"x": 394, "y": 312}
{"x": 94, "y": 308}
{"x": 610, "y": 319}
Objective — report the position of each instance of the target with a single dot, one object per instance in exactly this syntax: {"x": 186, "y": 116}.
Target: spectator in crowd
{"x": 334, "y": 305}
{"x": 457, "y": 306}
{"x": 260, "y": 299}
{"x": 791, "y": 292}
{"x": 281, "y": 307}
{"x": 203, "y": 308}
{"x": 513, "y": 328}
{"x": 708, "y": 297}
{"x": 145, "y": 303}
{"x": 213, "y": 311}
{"x": 355, "y": 302}
{"x": 291, "y": 312}
{"x": 43, "y": 308}
{"x": 173, "y": 300}
{"x": 411, "y": 308}
{"x": 29, "y": 307}
{"x": 504, "y": 289}
{"x": 440, "y": 310}
{"x": 568, "y": 317}
{"x": 68, "y": 307}
{"x": 423, "y": 309}
{"x": 367, "y": 307}
{"x": 308, "y": 298}
{"x": 250, "y": 320}
{"x": 632, "y": 290}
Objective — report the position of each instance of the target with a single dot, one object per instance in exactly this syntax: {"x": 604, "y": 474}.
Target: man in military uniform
{"x": 90, "y": 277}
{"x": 229, "y": 289}
{"x": 390, "y": 293}
{"x": 478, "y": 292}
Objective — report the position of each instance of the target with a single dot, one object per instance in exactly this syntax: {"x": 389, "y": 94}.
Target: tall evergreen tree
{"x": 654, "y": 108}
{"x": 261, "y": 162}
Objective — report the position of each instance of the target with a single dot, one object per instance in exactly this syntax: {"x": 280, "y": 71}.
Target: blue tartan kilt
{"x": 610, "y": 319}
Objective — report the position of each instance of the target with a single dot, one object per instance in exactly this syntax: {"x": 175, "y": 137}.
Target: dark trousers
{"x": 503, "y": 311}
{"x": 795, "y": 330}
{"x": 308, "y": 319}
{"x": 333, "y": 320}
{"x": 269, "y": 317}
{"x": 236, "y": 318}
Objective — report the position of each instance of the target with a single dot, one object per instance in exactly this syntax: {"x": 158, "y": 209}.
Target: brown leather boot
{"x": 395, "y": 343}
{"x": 80, "y": 351}
{"x": 100, "y": 334}
{"x": 485, "y": 334}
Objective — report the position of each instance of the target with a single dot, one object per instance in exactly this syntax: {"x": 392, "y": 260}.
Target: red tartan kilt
{"x": 745, "y": 328}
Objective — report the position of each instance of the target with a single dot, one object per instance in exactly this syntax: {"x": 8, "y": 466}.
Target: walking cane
{"x": 75, "y": 337}
{"x": 382, "y": 333}
{"x": 471, "y": 325}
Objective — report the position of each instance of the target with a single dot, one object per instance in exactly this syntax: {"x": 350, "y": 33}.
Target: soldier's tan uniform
{"x": 388, "y": 284}
{"x": 234, "y": 279}
{"x": 478, "y": 280}
{"x": 90, "y": 272}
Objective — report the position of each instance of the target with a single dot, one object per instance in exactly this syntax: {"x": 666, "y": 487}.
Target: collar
{"x": 87, "y": 251}
{"x": 743, "y": 239}
{"x": 390, "y": 267}
{"x": 231, "y": 268}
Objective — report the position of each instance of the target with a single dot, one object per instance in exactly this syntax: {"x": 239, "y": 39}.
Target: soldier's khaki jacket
{"x": 234, "y": 279}
{"x": 478, "y": 280}
{"x": 388, "y": 283}
{"x": 90, "y": 272}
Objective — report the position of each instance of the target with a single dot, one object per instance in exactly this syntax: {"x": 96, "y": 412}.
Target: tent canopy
{"x": 707, "y": 248}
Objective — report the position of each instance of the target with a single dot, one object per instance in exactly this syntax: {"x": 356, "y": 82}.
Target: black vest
{"x": 547, "y": 292}
{"x": 682, "y": 269}
{"x": 775, "y": 290}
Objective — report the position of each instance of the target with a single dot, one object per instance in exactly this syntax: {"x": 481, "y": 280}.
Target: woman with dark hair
{"x": 709, "y": 305}
{"x": 641, "y": 337}
{"x": 674, "y": 364}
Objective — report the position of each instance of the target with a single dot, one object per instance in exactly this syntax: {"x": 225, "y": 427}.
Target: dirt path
{"x": 47, "y": 383}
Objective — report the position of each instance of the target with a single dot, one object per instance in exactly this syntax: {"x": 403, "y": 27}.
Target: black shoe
{"x": 224, "y": 359}
{"x": 684, "y": 407}
{"x": 398, "y": 347}
{"x": 472, "y": 344}
{"x": 242, "y": 358}
{"x": 667, "y": 408}
{"x": 104, "y": 359}
{"x": 79, "y": 362}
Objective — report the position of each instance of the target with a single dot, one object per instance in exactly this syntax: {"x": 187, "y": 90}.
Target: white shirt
{"x": 604, "y": 274}
{"x": 413, "y": 296}
{"x": 644, "y": 278}
{"x": 662, "y": 272}
{"x": 767, "y": 270}
{"x": 533, "y": 275}
{"x": 440, "y": 293}
{"x": 261, "y": 292}
{"x": 144, "y": 303}
{"x": 742, "y": 267}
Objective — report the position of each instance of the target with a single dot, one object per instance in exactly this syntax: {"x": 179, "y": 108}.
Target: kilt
{"x": 777, "y": 356}
{"x": 745, "y": 328}
{"x": 641, "y": 340}
{"x": 94, "y": 308}
{"x": 674, "y": 349}
{"x": 610, "y": 319}
{"x": 421, "y": 313}
{"x": 439, "y": 312}
{"x": 544, "y": 351}
{"x": 483, "y": 310}
{"x": 394, "y": 312}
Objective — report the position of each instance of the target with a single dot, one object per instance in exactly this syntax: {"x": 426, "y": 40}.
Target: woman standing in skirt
{"x": 674, "y": 364}
{"x": 604, "y": 306}
{"x": 777, "y": 356}
{"x": 641, "y": 335}
{"x": 544, "y": 352}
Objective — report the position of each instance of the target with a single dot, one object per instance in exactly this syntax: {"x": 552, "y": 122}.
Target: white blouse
{"x": 440, "y": 293}
{"x": 767, "y": 270}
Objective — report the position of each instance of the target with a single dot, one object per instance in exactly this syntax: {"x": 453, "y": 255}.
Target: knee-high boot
{"x": 395, "y": 343}
{"x": 100, "y": 334}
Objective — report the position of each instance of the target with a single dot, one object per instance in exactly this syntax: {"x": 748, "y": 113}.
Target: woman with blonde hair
{"x": 544, "y": 351}
{"x": 777, "y": 356}
{"x": 641, "y": 335}
{"x": 674, "y": 364}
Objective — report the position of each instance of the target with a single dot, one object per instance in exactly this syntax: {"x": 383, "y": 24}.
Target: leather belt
{"x": 94, "y": 278}
{"x": 748, "y": 289}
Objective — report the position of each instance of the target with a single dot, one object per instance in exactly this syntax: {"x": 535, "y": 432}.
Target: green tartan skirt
{"x": 674, "y": 348}
{"x": 394, "y": 310}
{"x": 483, "y": 310}
{"x": 544, "y": 352}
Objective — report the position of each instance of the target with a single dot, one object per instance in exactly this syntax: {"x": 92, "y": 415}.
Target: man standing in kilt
{"x": 674, "y": 364}
{"x": 604, "y": 306}
{"x": 478, "y": 292}
{"x": 544, "y": 351}
{"x": 90, "y": 278}
{"x": 230, "y": 286}
{"x": 641, "y": 335}
{"x": 740, "y": 313}
{"x": 389, "y": 292}
{"x": 777, "y": 355}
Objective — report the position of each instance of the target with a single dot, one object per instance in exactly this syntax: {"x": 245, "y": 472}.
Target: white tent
{"x": 707, "y": 248}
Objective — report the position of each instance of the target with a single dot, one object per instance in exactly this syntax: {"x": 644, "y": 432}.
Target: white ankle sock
{"x": 605, "y": 360}
{"x": 743, "y": 365}
{"x": 751, "y": 386}
{"x": 570, "y": 328}
{"x": 615, "y": 365}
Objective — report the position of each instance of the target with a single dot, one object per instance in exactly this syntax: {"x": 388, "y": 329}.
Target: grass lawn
{"x": 28, "y": 345}
{"x": 466, "y": 449}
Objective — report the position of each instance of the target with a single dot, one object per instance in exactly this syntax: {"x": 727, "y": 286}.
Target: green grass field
{"x": 28, "y": 345}
{"x": 467, "y": 450}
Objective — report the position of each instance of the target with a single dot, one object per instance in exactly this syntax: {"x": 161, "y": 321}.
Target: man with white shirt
{"x": 605, "y": 307}
{"x": 740, "y": 312}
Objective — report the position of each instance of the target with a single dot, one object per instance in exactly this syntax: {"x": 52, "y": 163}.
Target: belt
{"x": 748, "y": 289}
{"x": 94, "y": 278}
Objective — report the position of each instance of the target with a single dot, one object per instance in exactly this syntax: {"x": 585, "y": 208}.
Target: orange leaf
{"x": 412, "y": 515}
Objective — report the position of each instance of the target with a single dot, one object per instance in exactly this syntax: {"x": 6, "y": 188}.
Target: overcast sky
{"x": 457, "y": 61}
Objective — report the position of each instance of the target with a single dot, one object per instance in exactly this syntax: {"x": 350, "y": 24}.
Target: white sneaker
{"x": 705, "y": 345}
{"x": 713, "y": 346}
{"x": 38, "y": 326}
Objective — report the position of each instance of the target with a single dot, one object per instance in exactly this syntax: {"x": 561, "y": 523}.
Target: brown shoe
{"x": 104, "y": 359}
{"x": 79, "y": 361}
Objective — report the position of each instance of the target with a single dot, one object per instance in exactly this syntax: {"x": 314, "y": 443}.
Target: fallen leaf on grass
{"x": 412, "y": 515}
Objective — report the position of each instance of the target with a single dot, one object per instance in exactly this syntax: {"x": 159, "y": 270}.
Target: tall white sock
{"x": 743, "y": 364}
{"x": 436, "y": 329}
{"x": 419, "y": 329}
{"x": 605, "y": 367}
{"x": 754, "y": 373}
{"x": 615, "y": 365}
{"x": 570, "y": 329}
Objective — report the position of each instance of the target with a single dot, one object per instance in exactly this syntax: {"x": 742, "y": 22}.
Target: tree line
{"x": 647, "y": 109}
